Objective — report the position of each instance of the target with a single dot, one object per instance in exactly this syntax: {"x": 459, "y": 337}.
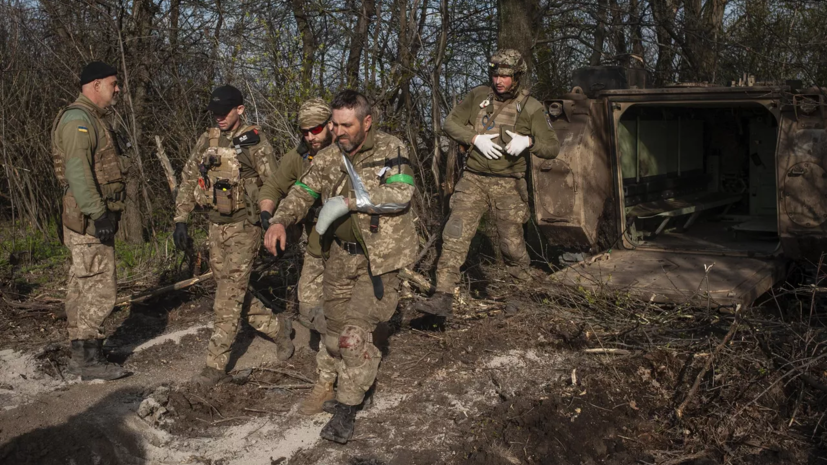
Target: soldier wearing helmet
{"x": 501, "y": 125}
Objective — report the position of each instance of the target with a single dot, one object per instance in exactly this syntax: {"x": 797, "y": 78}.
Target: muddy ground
{"x": 530, "y": 375}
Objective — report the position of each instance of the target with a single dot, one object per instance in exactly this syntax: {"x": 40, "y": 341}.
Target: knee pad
{"x": 453, "y": 229}
{"x": 353, "y": 344}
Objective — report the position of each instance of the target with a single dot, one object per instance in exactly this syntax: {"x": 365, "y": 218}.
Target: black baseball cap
{"x": 224, "y": 99}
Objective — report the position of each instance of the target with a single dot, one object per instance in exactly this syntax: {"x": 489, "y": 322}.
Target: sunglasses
{"x": 315, "y": 131}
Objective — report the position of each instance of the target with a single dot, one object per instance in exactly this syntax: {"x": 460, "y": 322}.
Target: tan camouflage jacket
{"x": 394, "y": 245}
{"x": 256, "y": 162}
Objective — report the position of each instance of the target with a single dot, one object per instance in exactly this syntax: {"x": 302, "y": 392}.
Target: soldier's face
{"x": 108, "y": 90}
{"x": 348, "y": 129}
{"x": 319, "y": 140}
{"x": 502, "y": 83}
{"x": 231, "y": 120}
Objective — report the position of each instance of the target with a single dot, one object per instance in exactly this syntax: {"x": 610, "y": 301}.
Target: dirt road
{"x": 493, "y": 388}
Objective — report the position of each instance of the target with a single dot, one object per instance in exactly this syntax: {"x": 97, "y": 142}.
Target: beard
{"x": 350, "y": 144}
{"x": 322, "y": 144}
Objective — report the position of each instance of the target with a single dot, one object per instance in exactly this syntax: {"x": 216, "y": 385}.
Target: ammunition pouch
{"x": 220, "y": 187}
{"x": 224, "y": 194}
{"x": 72, "y": 217}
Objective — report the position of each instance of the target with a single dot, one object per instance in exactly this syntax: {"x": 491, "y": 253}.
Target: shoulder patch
{"x": 83, "y": 129}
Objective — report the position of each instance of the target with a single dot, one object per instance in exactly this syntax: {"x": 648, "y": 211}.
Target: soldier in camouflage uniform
{"x": 502, "y": 125}
{"x": 315, "y": 126}
{"x": 89, "y": 165}
{"x": 224, "y": 173}
{"x": 366, "y": 183}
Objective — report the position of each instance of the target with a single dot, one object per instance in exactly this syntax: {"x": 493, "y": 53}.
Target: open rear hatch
{"x": 663, "y": 276}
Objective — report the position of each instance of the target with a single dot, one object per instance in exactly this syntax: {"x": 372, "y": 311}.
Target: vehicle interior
{"x": 699, "y": 177}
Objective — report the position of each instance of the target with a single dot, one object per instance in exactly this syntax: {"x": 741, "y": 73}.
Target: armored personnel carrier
{"x": 691, "y": 191}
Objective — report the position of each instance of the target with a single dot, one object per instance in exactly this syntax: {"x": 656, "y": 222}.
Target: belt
{"x": 353, "y": 248}
{"x": 496, "y": 175}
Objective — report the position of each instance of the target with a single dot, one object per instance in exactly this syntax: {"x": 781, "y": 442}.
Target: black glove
{"x": 179, "y": 237}
{"x": 104, "y": 228}
{"x": 265, "y": 220}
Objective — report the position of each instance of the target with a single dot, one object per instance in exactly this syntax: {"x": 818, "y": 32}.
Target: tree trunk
{"x": 599, "y": 33}
{"x": 518, "y": 25}
{"x": 619, "y": 35}
{"x": 358, "y": 40}
{"x": 664, "y": 13}
{"x": 308, "y": 40}
{"x": 638, "y": 57}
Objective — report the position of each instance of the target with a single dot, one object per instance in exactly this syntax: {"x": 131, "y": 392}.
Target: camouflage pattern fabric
{"x": 394, "y": 244}
{"x": 313, "y": 113}
{"x": 256, "y": 161}
{"x": 507, "y": 201}
{"x": 311, "y": 289}
{"x": 233, "y": 247}
{"x": 352, "y": 312}
{"x": 511, "y": 58}
{"x": 92, "y": 287}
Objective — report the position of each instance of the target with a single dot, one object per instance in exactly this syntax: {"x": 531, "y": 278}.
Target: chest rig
{"x": 496, "y": 117}
{"x": 106, "y": 163}
{"x": 219, "y": 186}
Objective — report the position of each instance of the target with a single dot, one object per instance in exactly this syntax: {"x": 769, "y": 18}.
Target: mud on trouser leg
{"x": 228, "y": 301}
{"x": 360, "y": 363}
{"x": 511, "y": 212}
{"x": 468, "y": 204}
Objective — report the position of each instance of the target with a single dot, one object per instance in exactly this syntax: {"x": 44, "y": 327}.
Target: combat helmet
{"x": 507, "y": 62}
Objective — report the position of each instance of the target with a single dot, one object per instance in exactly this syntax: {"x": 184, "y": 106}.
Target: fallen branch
{"x": 694, "y": 389}
{"x": 607, "y": 351}
{"x": 163, "y": 290}
{"x": 422, "y": 283}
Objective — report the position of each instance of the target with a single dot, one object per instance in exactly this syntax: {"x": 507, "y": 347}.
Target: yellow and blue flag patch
{"x": 83, "y": 129}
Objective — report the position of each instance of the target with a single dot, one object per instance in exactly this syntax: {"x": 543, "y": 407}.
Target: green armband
{"x": 310, "y": 191}
{"x": 406, "y": 178}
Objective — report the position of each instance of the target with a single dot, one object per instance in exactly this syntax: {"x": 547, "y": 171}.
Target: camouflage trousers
{"x": 352, "y": 313}
{"x": 233, "y": 248}
{"x": 92, "y": 287}
{"x": 506, "y": 199}
{"x": 311, "y": 291}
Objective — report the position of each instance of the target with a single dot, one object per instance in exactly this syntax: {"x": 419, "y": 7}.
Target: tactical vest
{"x": 108, "y": 168}
{"x": 105, "y": 162}
{"x": 496, "y": 117}
{"x": 221, "y": 186}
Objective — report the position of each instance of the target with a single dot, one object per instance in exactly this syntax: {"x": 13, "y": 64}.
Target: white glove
{"x": 518, "y": 143}
{"x": 333, "y": 209}
{"x": 491, "y": 150}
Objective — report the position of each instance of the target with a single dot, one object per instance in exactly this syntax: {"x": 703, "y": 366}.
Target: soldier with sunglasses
{"x": 315, "y": 127}
{"x": 502, "y": 125}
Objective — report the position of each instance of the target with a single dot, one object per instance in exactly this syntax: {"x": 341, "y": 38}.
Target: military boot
{"x": 209, "y": 377}
{"x": 440, "y": 304}
{"x": 76, "y": 361}
{"x": 321, "y": 394}
{"x": 340, "y": 427}
{"x": 95, "y": 366}
{"x": 284, "y": 346}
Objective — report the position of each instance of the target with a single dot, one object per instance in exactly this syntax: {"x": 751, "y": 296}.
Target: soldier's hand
{"x": 487, "y": 147}
{"x": 276, "y": 236}
{"x": 518, "y": 143}
{"x": 104, "y": 228}
{"x": 179, "y": 237}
